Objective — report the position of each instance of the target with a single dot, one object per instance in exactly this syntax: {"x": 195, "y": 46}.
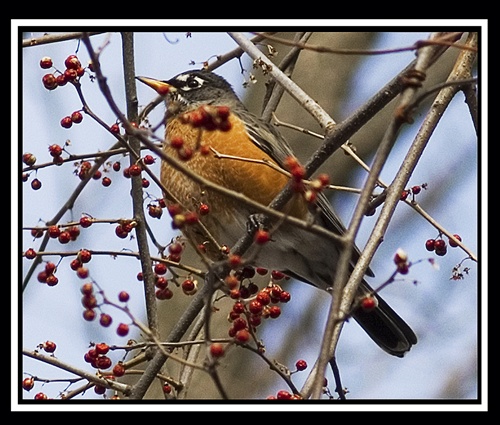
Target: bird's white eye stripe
{"x": 182, "y": 77}
{"x": 190, "y": 81}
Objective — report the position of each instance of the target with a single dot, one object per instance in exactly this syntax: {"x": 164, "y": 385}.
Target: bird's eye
{"x": 193, "y": 83}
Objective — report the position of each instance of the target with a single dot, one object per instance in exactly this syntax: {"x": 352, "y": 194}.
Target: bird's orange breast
{"x": 257, "y": 181}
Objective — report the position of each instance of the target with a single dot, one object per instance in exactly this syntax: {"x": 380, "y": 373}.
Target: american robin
{"x": 204, "y": 116}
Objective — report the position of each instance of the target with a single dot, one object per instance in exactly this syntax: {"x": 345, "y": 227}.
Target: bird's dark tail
{"x": 386, "y": 327}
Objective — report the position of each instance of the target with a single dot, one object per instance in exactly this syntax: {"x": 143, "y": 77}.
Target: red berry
{"x": 263, "y": 297}
{"x": 261, "y": 271}
{"x": 274, "y": 311}
{"x": 255, "y": 307}
{"x": 285, "y": 296}
{"x": 99, "y": 389}
{"x": 191, "y": 217}
{"x": 29, "y": 158}
{"x": 103, "y": 362}
{"x": 82, "y": 272}
{"x": 40, "y": 396}
{"x": 204, "y": 209}
{"x": 89, "y": 314}
{"x": 155, "y": 211}
{"x": 49, "y": 346}
{"x": 404, "y": 195}
{"x": 30, "y": 253}
{"x": 283, "y": 395}
{"x": 106, "y": 181}
{"x": 45, "y": 62}
{"x": 301, "y": 365}
{"x": 164, "y": 294}
{"x": 52, "y": 280}
{"x": 135, "y": 170}
{"x": 75, "y": 264}
{"x": 28, "y": 383}
{"x": 369, "y": 303}
{"x": 55, "y": 150}
{"x": 441, "y": 251}
{"x": 216, "y": 349}
{"x": 70, "y": 74}
{"x": 102, "y": 348}
{"x": 452, "y": 242}
{"x": 42, "y": 276}
{"x": 149, "y": 159}
{"x": 123, "y": 296}
{"x": 121, "y": 232}
{"x": 105, "y": 320}
{"x": 50, "y": 268}
{"x": 277, "y": 275}
{"x": 118, "y": 370}
{"x": 89, "y": 301}
{"x": 122, "y": 329}
{"x": 49, "y": 81}
{"x": 238, "y": 307}
{"x": 416, "y": 190}
{"x": 115, "y": 128}
{"x": 54, "y": 231}
{"x": 262, "y": 236}
{"x": 87, "y": 289}
{"x": 61, "y": 80}
{"x": 36, "y": 184}
{"x": 242, "y": 335}
{"x": 72, "y": 62}
{"x": 64, "y": 237}
{"x": 66, "y": 122}
{"x": 161, "y": 282}
{"x": 430, "y": 244}
{"x": 160, "y": 268}
{"x": 76, "y": 117}
{"x": 189, "y": 286}
{"x": 84, "y": 255}
{"x": 439, "y": 244}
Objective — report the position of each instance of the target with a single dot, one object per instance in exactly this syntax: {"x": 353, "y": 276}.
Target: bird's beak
{"x": 161, "y": 87}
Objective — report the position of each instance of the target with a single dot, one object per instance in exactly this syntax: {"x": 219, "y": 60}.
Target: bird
{"x": 219, "y": 139}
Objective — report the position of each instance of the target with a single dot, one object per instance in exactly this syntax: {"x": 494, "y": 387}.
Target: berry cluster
{"x": 90, "y": 304}
{"x": 184, "y": 152}
{"x": 75, "y": 118}
{"x": 163, "y": 292}
{"x": 97, "y": 357}
{"x": 180, "y": 217}
{"x": 71, "y": 74}
{"x": 251, "y": 304}
{"x": 298, "y": 172}
{"x": 309, "y": 189}
{"x": 209, "y": 118}
{"x": 124, "y": 228}
{"x": 71, "y": 233}
{"x": 135, "y": 170}
{"x": 439, "y": 245}
{"x": 47, "y": 275}
{"x": 29, "y": 159}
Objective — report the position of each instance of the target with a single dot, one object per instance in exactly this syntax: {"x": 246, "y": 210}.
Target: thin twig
{"x": 447, "y": 40}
